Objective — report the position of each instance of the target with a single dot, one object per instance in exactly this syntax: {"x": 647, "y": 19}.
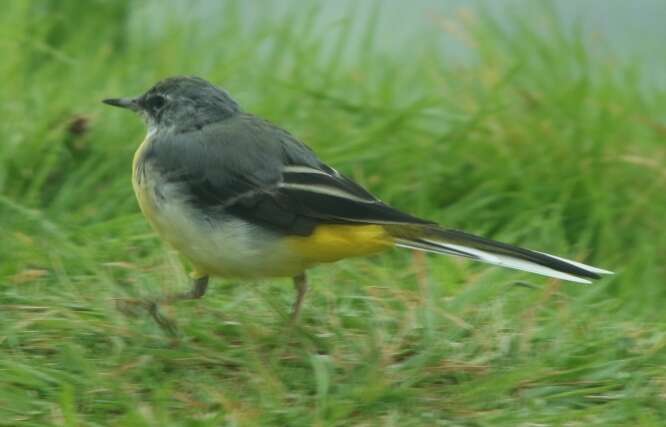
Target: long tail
{"x": 454, "y": 242}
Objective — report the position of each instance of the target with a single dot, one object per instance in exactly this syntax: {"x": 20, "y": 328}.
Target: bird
{"x": 239, "y": 196}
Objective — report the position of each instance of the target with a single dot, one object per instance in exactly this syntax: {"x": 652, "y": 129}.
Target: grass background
{"x": 537, "y": 138}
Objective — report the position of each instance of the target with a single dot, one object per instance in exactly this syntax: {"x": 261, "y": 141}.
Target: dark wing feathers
{"x": 317, "y": 179}
{"x": 250, "y": 168}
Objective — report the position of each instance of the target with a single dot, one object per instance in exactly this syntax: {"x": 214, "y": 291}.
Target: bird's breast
{"x": 164, "y": 204}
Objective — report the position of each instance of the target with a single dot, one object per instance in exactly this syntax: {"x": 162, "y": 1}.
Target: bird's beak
{"x": 129, "y": 103}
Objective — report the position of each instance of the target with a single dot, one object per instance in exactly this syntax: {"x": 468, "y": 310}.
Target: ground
{"x": 537, "y": 139}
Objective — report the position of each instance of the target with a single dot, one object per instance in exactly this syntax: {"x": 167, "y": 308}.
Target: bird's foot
{"x": 134, "y": 307}
{"x": 131, "y": 306}
{"x": 167, "y": 324}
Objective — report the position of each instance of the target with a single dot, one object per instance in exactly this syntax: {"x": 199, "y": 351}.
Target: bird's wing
{"x": 259, "y": 172}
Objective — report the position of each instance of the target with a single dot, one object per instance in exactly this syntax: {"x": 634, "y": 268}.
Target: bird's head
{"x": 180, "y": 104}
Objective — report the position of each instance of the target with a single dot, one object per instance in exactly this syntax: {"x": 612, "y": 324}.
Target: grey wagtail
{"x": 241, "y": 197}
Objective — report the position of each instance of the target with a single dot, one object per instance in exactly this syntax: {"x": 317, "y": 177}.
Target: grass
{"x": 536, "y": 139}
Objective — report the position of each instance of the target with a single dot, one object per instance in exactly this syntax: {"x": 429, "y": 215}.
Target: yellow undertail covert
{"x": 333, "y": 242}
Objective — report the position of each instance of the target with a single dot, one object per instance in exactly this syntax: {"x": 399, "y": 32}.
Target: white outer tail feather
{"x": 501, "y": 259}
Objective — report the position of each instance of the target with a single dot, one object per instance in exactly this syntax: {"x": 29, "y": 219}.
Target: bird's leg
{"x": 199, "y": 286}
{"x": 301, "y": 286}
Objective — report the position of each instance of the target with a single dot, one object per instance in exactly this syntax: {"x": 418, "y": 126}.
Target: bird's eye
{"x": 155, "y": 102}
